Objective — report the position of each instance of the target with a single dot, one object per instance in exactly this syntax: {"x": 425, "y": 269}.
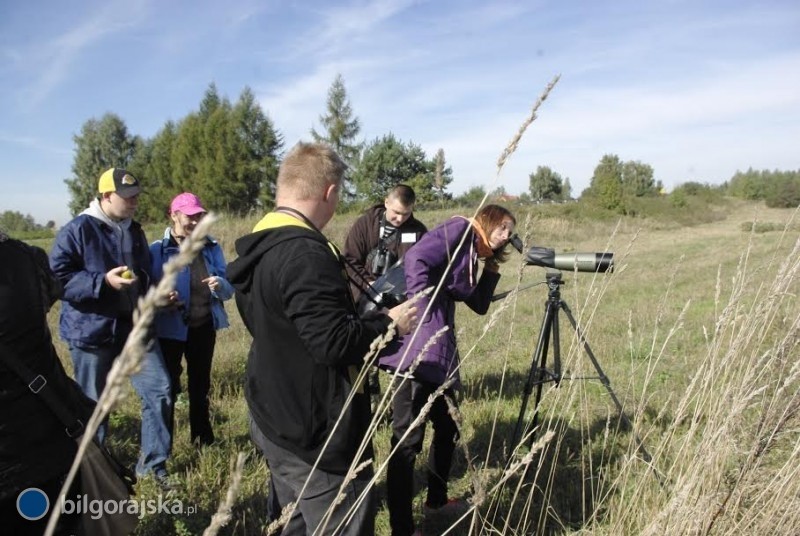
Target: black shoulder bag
{"x": 103, "y": 477}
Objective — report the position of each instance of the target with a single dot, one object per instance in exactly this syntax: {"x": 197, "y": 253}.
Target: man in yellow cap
{"x": 102, "y": 259}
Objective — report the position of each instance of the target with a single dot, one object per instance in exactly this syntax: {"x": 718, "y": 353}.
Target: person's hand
{"x": 404, "y": 317}
{"x": 120, "y": 277}
{"x": 212, "y": 282}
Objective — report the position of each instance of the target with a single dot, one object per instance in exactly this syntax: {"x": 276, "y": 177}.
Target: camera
{"x": 578, "y": 262}
{"x": 387, "y": 291}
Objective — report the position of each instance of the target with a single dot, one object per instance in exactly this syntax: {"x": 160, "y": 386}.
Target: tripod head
{"x": 554, "y": 280}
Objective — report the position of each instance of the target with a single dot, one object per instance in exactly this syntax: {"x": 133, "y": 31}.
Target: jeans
{"x": 288, "y": 475}
{"x": 407, "y": 404}
{"x": 199, "y": 351}
{"x": 151, "y": 383}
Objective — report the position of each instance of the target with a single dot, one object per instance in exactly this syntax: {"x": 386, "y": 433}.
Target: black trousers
{"x": 407, "y": 404}
{"x": 289, "y": 475}
{"x": 198, "y": 349}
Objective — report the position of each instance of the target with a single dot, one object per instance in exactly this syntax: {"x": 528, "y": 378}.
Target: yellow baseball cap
{"x": 119, "y": 181}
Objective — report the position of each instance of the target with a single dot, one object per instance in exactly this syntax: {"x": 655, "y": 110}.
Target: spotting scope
{"x": 580, "y": 262}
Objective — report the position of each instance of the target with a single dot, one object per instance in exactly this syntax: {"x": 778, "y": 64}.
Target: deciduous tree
{"x": 102, "y": 143}
{"x": 606, "y": 184}
{"x": 544, "y": 183}
{"x": 637, "y": 179}
{"x": 16, "y": 222}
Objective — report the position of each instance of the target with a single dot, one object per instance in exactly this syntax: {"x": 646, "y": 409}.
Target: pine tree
{"x": 261, "y": 145}
{"x": 158, "y": 175}
{"x": 340, "y": 128}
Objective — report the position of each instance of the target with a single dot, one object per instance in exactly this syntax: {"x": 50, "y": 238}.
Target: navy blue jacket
{"x": 92, "y": 313}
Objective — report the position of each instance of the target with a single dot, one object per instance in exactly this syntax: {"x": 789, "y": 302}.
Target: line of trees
{"x": 779, "y": 189}
{"x": 226, "y": 153}
{"x": 17, "y": 222}
{"x": 229, "y": 154}
{"x": 615, "y": 183}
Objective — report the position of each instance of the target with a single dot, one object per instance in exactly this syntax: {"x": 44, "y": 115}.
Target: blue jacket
{"x": 92, "y": 313}
{"x": 169, "y": 322}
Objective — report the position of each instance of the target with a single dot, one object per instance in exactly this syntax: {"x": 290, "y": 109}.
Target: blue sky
{"x": 696, "y": 89}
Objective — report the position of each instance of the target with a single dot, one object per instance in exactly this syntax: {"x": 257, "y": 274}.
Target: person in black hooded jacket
{"x": 308, "y": 349}
{"x": 35, "y": 450}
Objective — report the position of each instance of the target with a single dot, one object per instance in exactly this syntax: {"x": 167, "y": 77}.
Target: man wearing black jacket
{"x": 309, "y": 412}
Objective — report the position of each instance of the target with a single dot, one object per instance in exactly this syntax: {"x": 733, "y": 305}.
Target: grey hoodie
{"x": 122, "y": 229}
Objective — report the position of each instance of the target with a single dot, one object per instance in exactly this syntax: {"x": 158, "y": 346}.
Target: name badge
{"x": 408, "y": 238}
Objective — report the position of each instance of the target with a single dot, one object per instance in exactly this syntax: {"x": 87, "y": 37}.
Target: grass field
{"x": 697, "y": 331}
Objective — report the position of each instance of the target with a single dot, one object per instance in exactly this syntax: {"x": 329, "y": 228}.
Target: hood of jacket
{"x": 95, "y": 211}
{"x": 272, "y": 230}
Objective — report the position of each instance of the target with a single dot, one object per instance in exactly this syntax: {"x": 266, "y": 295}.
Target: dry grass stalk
{"x": 514, "y": 143}
{"x": 351, "y": 475}
{"x": 128, "y": 362}
{"x": 735, "y": 419}
{"x": 512, "y": 471}
{"x": 286, "y": 514}
{"x": 223, "y": 514}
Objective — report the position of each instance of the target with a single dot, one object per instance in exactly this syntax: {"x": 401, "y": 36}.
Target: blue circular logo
{"x": 33, "y": 504}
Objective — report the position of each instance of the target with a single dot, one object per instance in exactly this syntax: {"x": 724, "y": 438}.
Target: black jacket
{"x": 34, "y": 447}
{"x": 308, "y": 343}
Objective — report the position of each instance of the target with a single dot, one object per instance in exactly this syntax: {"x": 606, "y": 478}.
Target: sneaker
{"x": 452, "y": 506}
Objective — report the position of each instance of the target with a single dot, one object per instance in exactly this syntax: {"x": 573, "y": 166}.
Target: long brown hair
{"x": 490, "y": 218}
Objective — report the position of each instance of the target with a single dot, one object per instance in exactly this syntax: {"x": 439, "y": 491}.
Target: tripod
{"x": 539, "y": 374}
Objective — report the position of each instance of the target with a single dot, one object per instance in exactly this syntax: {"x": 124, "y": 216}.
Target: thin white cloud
{"x": 53, "y": 59}
{"x": 686, "y": 133}
{"x": 32, "y": 143}
{"x": 342, "y": 23}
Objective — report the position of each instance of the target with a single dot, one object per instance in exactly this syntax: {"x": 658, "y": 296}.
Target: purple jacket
{"x": 426, "y": 263}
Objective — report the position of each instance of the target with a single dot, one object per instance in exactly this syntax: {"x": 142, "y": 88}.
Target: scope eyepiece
{"x": 516, "y": 242}
{"x": 578, "y": 262}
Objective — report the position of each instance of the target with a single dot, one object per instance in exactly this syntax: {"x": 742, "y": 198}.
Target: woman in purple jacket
{"x": 440, "y": 255}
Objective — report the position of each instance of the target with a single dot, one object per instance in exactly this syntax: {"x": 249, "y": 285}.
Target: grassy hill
{"x": 696, "y": 330}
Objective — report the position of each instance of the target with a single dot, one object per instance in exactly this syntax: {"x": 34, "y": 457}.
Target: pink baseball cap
{"x": 186, "y": 203}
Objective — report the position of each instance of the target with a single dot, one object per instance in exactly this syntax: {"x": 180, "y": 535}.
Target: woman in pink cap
{"x": 187, "y": 327}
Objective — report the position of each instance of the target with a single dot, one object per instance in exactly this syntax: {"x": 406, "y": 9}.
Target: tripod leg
{"x": 605, "y": 381}
{"x": 556, "y": 348}
{"x": 536, "y": 374}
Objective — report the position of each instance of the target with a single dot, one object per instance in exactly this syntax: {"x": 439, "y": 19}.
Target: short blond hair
{"x": 308, "y": 169}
